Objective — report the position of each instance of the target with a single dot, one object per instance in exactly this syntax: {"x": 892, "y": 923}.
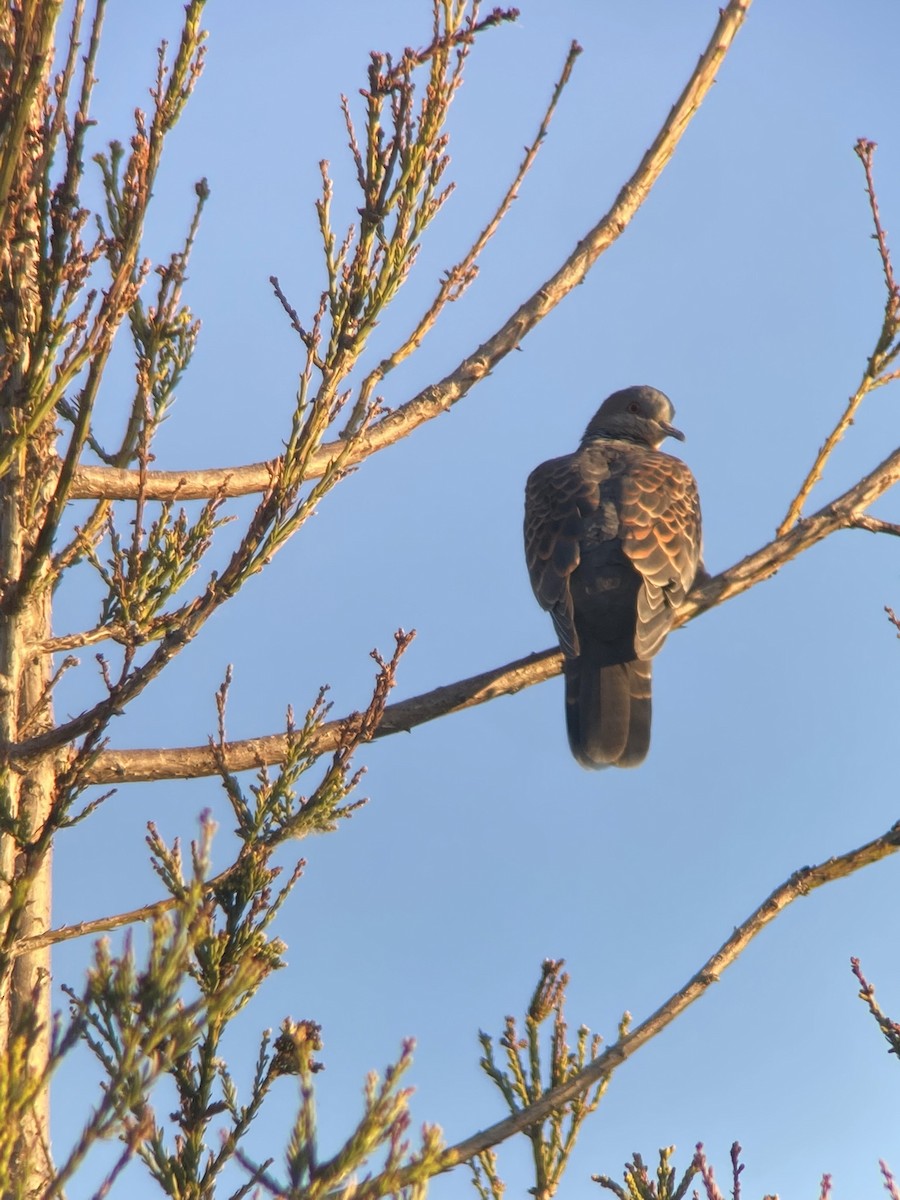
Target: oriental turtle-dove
{"x": 612, "y": 541}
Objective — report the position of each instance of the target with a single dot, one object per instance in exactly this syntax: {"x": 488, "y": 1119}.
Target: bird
{"x": 613, "y": 546}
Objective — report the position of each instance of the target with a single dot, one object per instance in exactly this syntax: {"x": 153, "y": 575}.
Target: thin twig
{"x": 305, "y": 336}
{"x": 458, "y": 278}
{"x": 874, "y": 525}
{"x": 146, "y": 912}
{"x": 865, "y": 150}
{"x": 94, "y": 482}
{"x": 890, "y": 1183}
{"x": 882, "y": 356}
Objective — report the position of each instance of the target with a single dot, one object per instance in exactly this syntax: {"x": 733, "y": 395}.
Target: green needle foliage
{"x": 640, "y": 1186}
{"x": 523, "y": 1079}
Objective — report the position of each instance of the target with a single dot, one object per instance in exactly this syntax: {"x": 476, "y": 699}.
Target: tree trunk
{"x": 26, "y": 796}
{"x": 24, "y": 861}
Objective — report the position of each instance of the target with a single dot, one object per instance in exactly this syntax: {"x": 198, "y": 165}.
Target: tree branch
{"x": 846, "y": 512}
{"x": 147, "y": 912}
{"x": 92, "y": 482}
{"x": 801, "y": 883}
{"x": 191, "y": 762}
{"x": 886, "y": 348}
{"x": 875, "y": 525}
{"x": 194, "y": 762}
{"x": 118, "y": 483}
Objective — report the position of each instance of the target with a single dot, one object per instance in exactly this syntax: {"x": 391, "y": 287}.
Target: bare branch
{"x": 117, "y": 483}
{"x": 190, "y": 762}
{"x": 86, "y": 637}
{"x": 841, "y": 513}
{"x": 886, "y": 348}
{"x": 865, "y": 151}
{"x": 801, "y": 883}
{"x": 874, "y": 525}
{"x": 98, "y": 482}
{"x": 66, "y": 933}
{"x": 194, "y": 762}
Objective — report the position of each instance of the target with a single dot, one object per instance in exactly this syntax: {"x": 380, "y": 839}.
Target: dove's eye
{"x": 632, "y": 407}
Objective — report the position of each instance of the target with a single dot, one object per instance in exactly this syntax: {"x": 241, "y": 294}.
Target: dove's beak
{"x": 671, "y": 431}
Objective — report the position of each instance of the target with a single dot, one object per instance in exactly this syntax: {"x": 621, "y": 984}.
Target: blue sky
{"x": 747, "y": 289}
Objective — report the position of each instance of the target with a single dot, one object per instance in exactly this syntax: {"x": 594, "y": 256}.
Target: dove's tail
{"x": 608, "y": 712}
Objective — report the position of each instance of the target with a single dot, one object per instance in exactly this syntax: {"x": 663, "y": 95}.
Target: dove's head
{"x": 635, "y": 414}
